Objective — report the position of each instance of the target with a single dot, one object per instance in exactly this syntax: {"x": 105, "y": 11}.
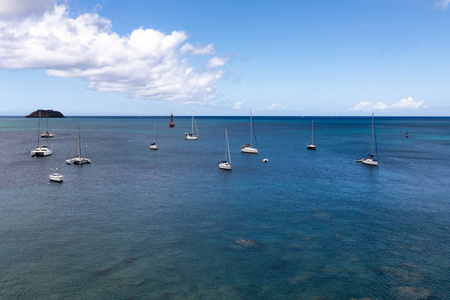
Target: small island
{"x": 49, "y": 113}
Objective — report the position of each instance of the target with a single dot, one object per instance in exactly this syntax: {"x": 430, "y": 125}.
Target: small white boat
{"x": 248, "y": 148}
{"x": 370, "y": 159}
{"x": 191, "y": 135}
{"x": 47, "y": 134}
{"x": 78, "y": 160}
{"x": 41, "y": 150}
{"x": 154, "y": 146}
{"x": 311, "y": 146}
{"x": 56, "y": 176}
{"x": 265, "y": 160}
{"x": 225, "y": 164}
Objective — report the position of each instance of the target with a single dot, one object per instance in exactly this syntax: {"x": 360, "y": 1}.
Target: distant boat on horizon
{"x": 46, "y": 134}
{"x": 248, "y": 148}
{"x": 171, "y": 124}
{"x": 311, "y": 146}
{"x": 41, "y": 150}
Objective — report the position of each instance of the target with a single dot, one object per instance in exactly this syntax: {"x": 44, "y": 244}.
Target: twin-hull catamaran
{"x": 41, "y": 150}
{"x": 78, "y": 160}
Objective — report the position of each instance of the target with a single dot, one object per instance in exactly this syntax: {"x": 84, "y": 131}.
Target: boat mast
{"x": 251, "y": 131}
{"x": 192, "y": 131}
{"x": 79, "y": 147}
{"x": 228, "y": 147}
{"x": 372, "y": 134}
{"x": 171, "y": 115}
{"x": 312, "y": 131}
{"x": 154, "y": 131}
{"x": 39, "y": 133}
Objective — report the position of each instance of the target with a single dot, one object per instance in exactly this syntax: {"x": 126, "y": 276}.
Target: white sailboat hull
{"x": 370, "y": 162}
{"x": 56, "y": 177}
{"x": 154, "y": 147}
{"x": 249, "y": 150}
{"x": 190, "y": 136}
{"x": 225, "y": 166}
{"x": 78, "y": 161}
{"x": 41, "y": 151}
{"x": 311, "y": 146}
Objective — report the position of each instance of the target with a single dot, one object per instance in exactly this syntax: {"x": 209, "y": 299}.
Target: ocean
{"x": 169, "y": 224}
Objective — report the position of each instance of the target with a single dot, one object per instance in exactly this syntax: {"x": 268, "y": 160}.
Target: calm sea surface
{"x": 142, "y": 224}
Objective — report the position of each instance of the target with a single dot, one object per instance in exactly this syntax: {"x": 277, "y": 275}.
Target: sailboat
{"x": 225, "y": 164}
{"x": 41, "y": 150}
{"x": 171, "y": 124}
{"x": 248, "y": 148}
{"x": 46, "y": 134}
{"x": 154, "y": 146}
{"x": 311, "y": 146}
{"x": 78, "y": 160}
{"x": 370, "y": 159}
{"x": 56, "y": 176}
{"x": 192, "y": 136}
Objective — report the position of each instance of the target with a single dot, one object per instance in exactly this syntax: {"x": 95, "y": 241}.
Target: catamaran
{"x": 78, "y": 160}
{"x": 225, "y": 164}
{"x": 192, "y": 136}
{"x": 311, "y": 146}
{"x": 248, "y": 148}
{"x": 41, "y": 150}
{"x": 370, "y": 159}
{"x": 154, "y": 146}
{"x": 171, "y": 124}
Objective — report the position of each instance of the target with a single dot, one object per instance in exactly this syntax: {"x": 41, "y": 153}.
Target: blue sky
{"x": 292, "y": 58}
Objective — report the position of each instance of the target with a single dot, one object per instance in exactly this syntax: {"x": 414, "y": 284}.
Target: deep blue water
{"x": 142, "y": 224}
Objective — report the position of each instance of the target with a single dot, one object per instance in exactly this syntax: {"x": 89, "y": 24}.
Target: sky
{"x": 223, "y": 58}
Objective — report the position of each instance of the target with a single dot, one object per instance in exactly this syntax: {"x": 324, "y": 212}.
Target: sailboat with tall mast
{"x": 225, "y": 164}
{"x": 46, "y": 134}
{"x": 78, "y": 160}
{"x": 248, "y": 148}
{"x": 191, "y": 135}
{"x": 311, "y": 146}
{"x": 154, "y": 146}
{"x": 41, "y": 150}
{"x": 370, "y": 159}
{"x": 171, "y": 124}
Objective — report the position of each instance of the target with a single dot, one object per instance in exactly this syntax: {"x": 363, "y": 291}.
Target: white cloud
{"x": 276, "y": 106}
{"x": 403, "y": 104}
{"x": 11, "y": 9}
{"x": 238, "y": 104}
{"x": 217, "y": 62}
{"x": 197, "y": 50}
{"x": 443, "y": 4}
{"x": 147, "y": 64}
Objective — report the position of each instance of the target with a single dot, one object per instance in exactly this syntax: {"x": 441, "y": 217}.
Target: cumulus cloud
{"x": 217, "y": 62}
{"x": 147, "y": 63}
{"x": 443, "y": 4}
{"x": 238, "y": 104}
{"x": 11, "y": 9}
{"x": 276, "y": 106}
{"x": 403, "y": 104}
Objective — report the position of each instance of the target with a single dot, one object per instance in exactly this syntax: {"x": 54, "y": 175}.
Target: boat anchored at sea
{"x": 154, "y": 146}
{"x": 47, "y": 134}
{"x": 191, "y": 135}
{"x": 311, "y": 146}
{"x": 78, "y": 160}
{"x": 171, "y": 124}
{"x": 370, "y": 159}
{"x": 248, "y": 148}
{"x": 41, "y": 150}
{"x": 55, "y": 175}
{"x": 225, "y": 164}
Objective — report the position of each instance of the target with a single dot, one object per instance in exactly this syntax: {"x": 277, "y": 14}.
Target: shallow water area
{"x": 169, "y": 224}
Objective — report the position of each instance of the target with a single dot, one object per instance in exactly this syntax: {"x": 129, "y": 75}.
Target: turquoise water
{"x": 166, "y": 224}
